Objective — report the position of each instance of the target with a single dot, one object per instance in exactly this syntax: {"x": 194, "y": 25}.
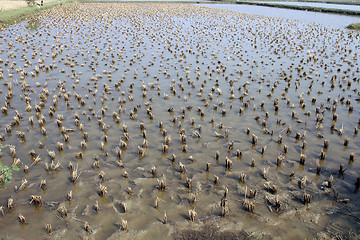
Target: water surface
{"x": 249, "y": 89}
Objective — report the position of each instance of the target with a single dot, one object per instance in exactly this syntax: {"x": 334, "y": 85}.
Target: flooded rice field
{"x": 155, "y": 120}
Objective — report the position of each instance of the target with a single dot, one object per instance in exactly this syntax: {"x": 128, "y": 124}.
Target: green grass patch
{"x": 13, "y": 16}
{"x": 354, "y": 26}
{"x": 5, "y": 171}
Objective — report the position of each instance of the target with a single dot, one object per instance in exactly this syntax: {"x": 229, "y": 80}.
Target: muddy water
{"x": 109, "y": 65}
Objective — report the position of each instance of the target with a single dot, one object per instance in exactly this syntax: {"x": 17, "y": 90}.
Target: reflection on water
{"x": 141, "y": 117}
{"x": 325, "y": 19}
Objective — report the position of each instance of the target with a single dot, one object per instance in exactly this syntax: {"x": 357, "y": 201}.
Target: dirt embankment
{"x": 7, "y": 5}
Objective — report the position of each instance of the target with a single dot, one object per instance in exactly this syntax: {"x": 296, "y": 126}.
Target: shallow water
{"x": 307, "y": 17}
{"x": 180, "y": 56}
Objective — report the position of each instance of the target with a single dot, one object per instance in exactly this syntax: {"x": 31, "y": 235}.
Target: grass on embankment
{"x": 343, "y": 2}
{"x": 304, "y": 8}
{"x": 13, "y": 16}
{"x": 354, "y": 26}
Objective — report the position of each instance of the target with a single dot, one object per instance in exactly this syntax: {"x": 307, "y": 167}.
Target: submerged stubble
{"x": 142, "y": 119}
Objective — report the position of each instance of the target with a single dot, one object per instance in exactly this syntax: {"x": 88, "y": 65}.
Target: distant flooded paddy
{"x": 306, "y": 17}
{"x": 168, "y": 120}
{"x": 324, "y": 5}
